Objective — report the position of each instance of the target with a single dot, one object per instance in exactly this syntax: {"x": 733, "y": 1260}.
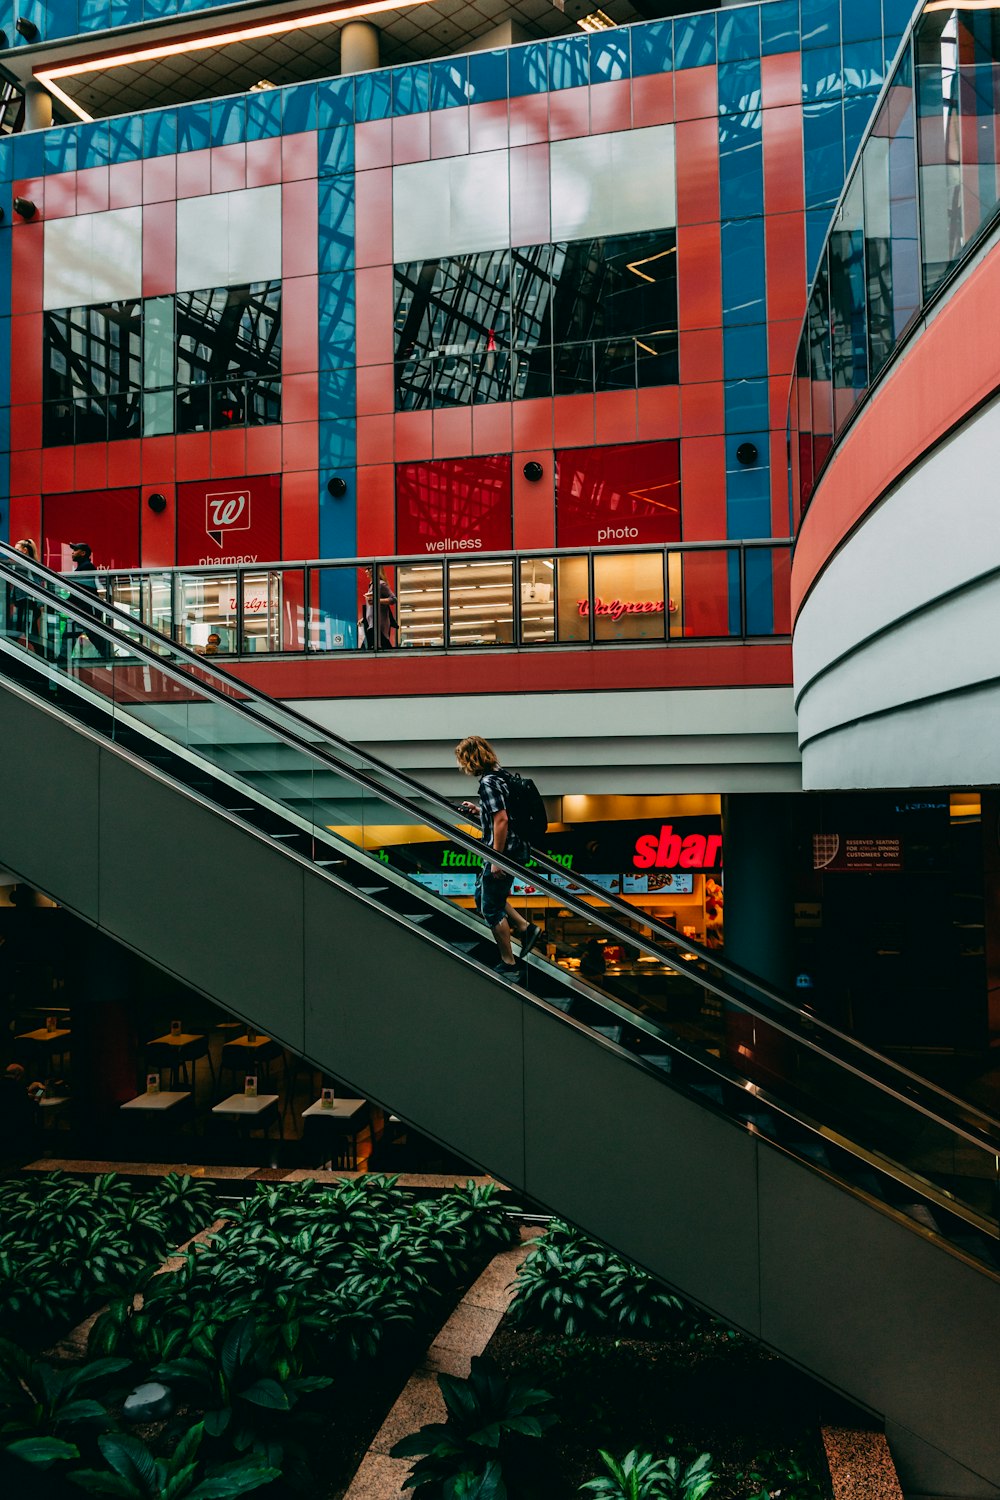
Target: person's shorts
{"x": 492, "y": 892}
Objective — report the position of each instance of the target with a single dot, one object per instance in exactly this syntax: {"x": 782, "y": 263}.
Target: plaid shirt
{"x": 493, "y": 799}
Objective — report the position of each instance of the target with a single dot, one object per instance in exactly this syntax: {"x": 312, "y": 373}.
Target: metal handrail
{"x": 982, "y": 1132}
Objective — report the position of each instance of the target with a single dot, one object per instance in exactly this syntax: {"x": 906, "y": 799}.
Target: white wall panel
{"x": 895, "y": 648}
{"x": 619, "y": 183}
{"x": 93, "y": 258}
{"x": 229, "y": 238}
{"x": 455, "y": 206}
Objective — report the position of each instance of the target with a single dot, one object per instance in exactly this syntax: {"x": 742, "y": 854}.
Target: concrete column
{"x": 37, "y": 107}
{"x": 759, "y": 890}
{"x": 358, "y": 47}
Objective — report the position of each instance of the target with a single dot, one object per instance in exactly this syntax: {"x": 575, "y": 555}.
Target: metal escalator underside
{"x": 841, "y": 1277}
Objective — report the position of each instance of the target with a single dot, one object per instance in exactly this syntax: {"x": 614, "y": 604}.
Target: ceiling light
{"x": 596, "y": 21}
{"x": 211, "y": 41}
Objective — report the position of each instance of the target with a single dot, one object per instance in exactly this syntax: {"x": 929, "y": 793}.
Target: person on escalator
{"x": 478, "y": 758}
{"x": 85, "y": 577}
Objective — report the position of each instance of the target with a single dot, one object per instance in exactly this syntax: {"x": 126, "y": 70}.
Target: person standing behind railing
{"x": 24, "y": 614}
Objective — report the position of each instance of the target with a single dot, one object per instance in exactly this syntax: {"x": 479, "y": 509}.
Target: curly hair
{"x": 476, "y": 756}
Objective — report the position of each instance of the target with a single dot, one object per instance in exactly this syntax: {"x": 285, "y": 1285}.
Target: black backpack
{"x": 525, "y": 808}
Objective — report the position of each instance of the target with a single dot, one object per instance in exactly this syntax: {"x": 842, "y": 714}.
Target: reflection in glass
{"x": 537, "y": 321}
{"x": 630, "y": 602}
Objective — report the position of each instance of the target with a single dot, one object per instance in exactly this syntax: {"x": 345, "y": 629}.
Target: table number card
{"x": 51, "y": 1024}
{"x": 152, "y": 1083}
{"x": 175, "y": 1028}
{"x": 326, "y": 1099}
{"x": 250, "y": 1086}
{"x": 251, "y": 1036}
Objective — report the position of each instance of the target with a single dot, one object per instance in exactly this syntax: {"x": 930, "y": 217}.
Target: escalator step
{"x": 661, "y": 1060}
{"x": 711, "y": 1091}
{"x": 812, "y": 1151}
{"x": 371, "y": 890}
{"x": 613, "y": 1033}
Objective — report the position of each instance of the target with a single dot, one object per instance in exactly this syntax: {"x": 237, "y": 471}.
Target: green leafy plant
{"x": 185, "y": 1204}
{"x": 239, "y": 1387}
{"x": 41, "y": 1400}
{"x": 488, "y": 1415}
{"x": 780, "y": 1474}
{"x": 564, "y": 1293}
{"x": 640, "y": 1476}
{"x": 133, "y": 1473}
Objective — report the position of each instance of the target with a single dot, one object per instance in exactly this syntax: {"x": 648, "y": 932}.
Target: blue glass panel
{"x": 298, "y": 109}
{"x": 336, "y": 223}
{"x": 760, "y": 591}
{"x": 123, "y": 12}
{"x": 411, "y": 89}
{"x": 7, "y": 162}
{"x": 338, "y": 444}
{"x": 743, "y": 271}
{"x": 229, "y": 122}
{"x": 739, "y": 33}
{"x": 338, "y": 537}
{"x": 194, "y": 127}
{"x": 155, "y": 10}
{"x": 896, "y": 17}
{"x": 569, "y": 62}
{"x": 93, "y": 15}
{"x": 739, "y": 87}
{"x": 823, "y": 142}
{"x": 652, "y": 48}
{"x": 159, "y": 133}
{"x": 337, "y": 394}
{"x": 748, "y": 487}
{"x": 864, "y": 67}
{"x": 741, "y": 180}
{"x": 779, "y": 27}
{"x": 746, "y": 405}
{"x": 694, "y": 41}
{"x": 336, "y": 319}
{"x": 817, "y": 226}
{"x": 60, "y": 148}
{"x": 529, "y": 73}
{"x": 93, "y": 145}
{"x": 609, "y": 56}
{"x": 29, "y": 154}
{"x": 335, "y": 102}
{"x": 449, "y": 82}
{"x": 336, "y": 150}
{"x": 372, "y": 96}
{"x": 263, "y": 114}
{"x": 821, "y": 74}
{"x": 488, "y": 76}
{"x": 861, "y": 20}
{"x": 745, "y": 351}
{"x": 126, "y": 138}
{"x": 858, "y": 112}
{"x": 820, "y": 23}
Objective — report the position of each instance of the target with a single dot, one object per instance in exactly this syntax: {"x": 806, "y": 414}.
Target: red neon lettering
{"x": 698, "y": 851}
{"x": 618, "y": 607}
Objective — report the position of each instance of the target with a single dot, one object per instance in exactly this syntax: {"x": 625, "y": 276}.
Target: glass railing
{"x": 702, "y": 1024}
{"x": 924, "y": 191}
{"x": 688, "y": 592}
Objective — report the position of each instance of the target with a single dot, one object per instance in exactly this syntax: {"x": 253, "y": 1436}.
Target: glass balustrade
{"x": 681, "y": 1009}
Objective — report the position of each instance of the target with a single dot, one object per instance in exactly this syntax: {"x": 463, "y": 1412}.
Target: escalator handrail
{"x": 976, "y": 1126}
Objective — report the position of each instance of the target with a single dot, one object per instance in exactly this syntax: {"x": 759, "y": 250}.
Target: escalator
{"x": 796, "y": 1183}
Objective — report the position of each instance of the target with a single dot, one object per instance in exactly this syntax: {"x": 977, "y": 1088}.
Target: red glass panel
{"x": 229, "y": 520}
{"x": 107, "y": 519}
{"x": 626, "y": 493}
{"x": 455, "y": 505}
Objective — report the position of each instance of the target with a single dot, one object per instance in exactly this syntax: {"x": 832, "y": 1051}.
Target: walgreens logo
{"x": 698, "y": 851}
{"x": 226, "y": 510}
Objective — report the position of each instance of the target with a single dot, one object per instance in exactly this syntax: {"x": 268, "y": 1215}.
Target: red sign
{"x": 229, "y": 520}
{"x": 454, "y": 505}
{"x": 629, "y": 494}
{"x": 615, "y": 608}
{"x": 695, "y": 851}
{"x": 107, "y": 519}
{"x": 839, "y": 853}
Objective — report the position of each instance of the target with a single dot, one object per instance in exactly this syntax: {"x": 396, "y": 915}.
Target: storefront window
{"x": 582, "y": 315}
{"x": 480, "y": 603}
{"x": 197, "y": 362}
{"x": 538, "y": 601}
{"x": 457, "y": 505}
{"x": 630, "y": 601}
{"x": 421, "y": 604}
{"x": 627, "y": 493}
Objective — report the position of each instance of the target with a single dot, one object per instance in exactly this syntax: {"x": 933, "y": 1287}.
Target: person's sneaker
{"x": 530, "y": 938}
{"x": 506, "y": 968}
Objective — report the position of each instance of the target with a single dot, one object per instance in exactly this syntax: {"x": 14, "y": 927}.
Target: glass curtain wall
{"x": 924, "y": 188}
